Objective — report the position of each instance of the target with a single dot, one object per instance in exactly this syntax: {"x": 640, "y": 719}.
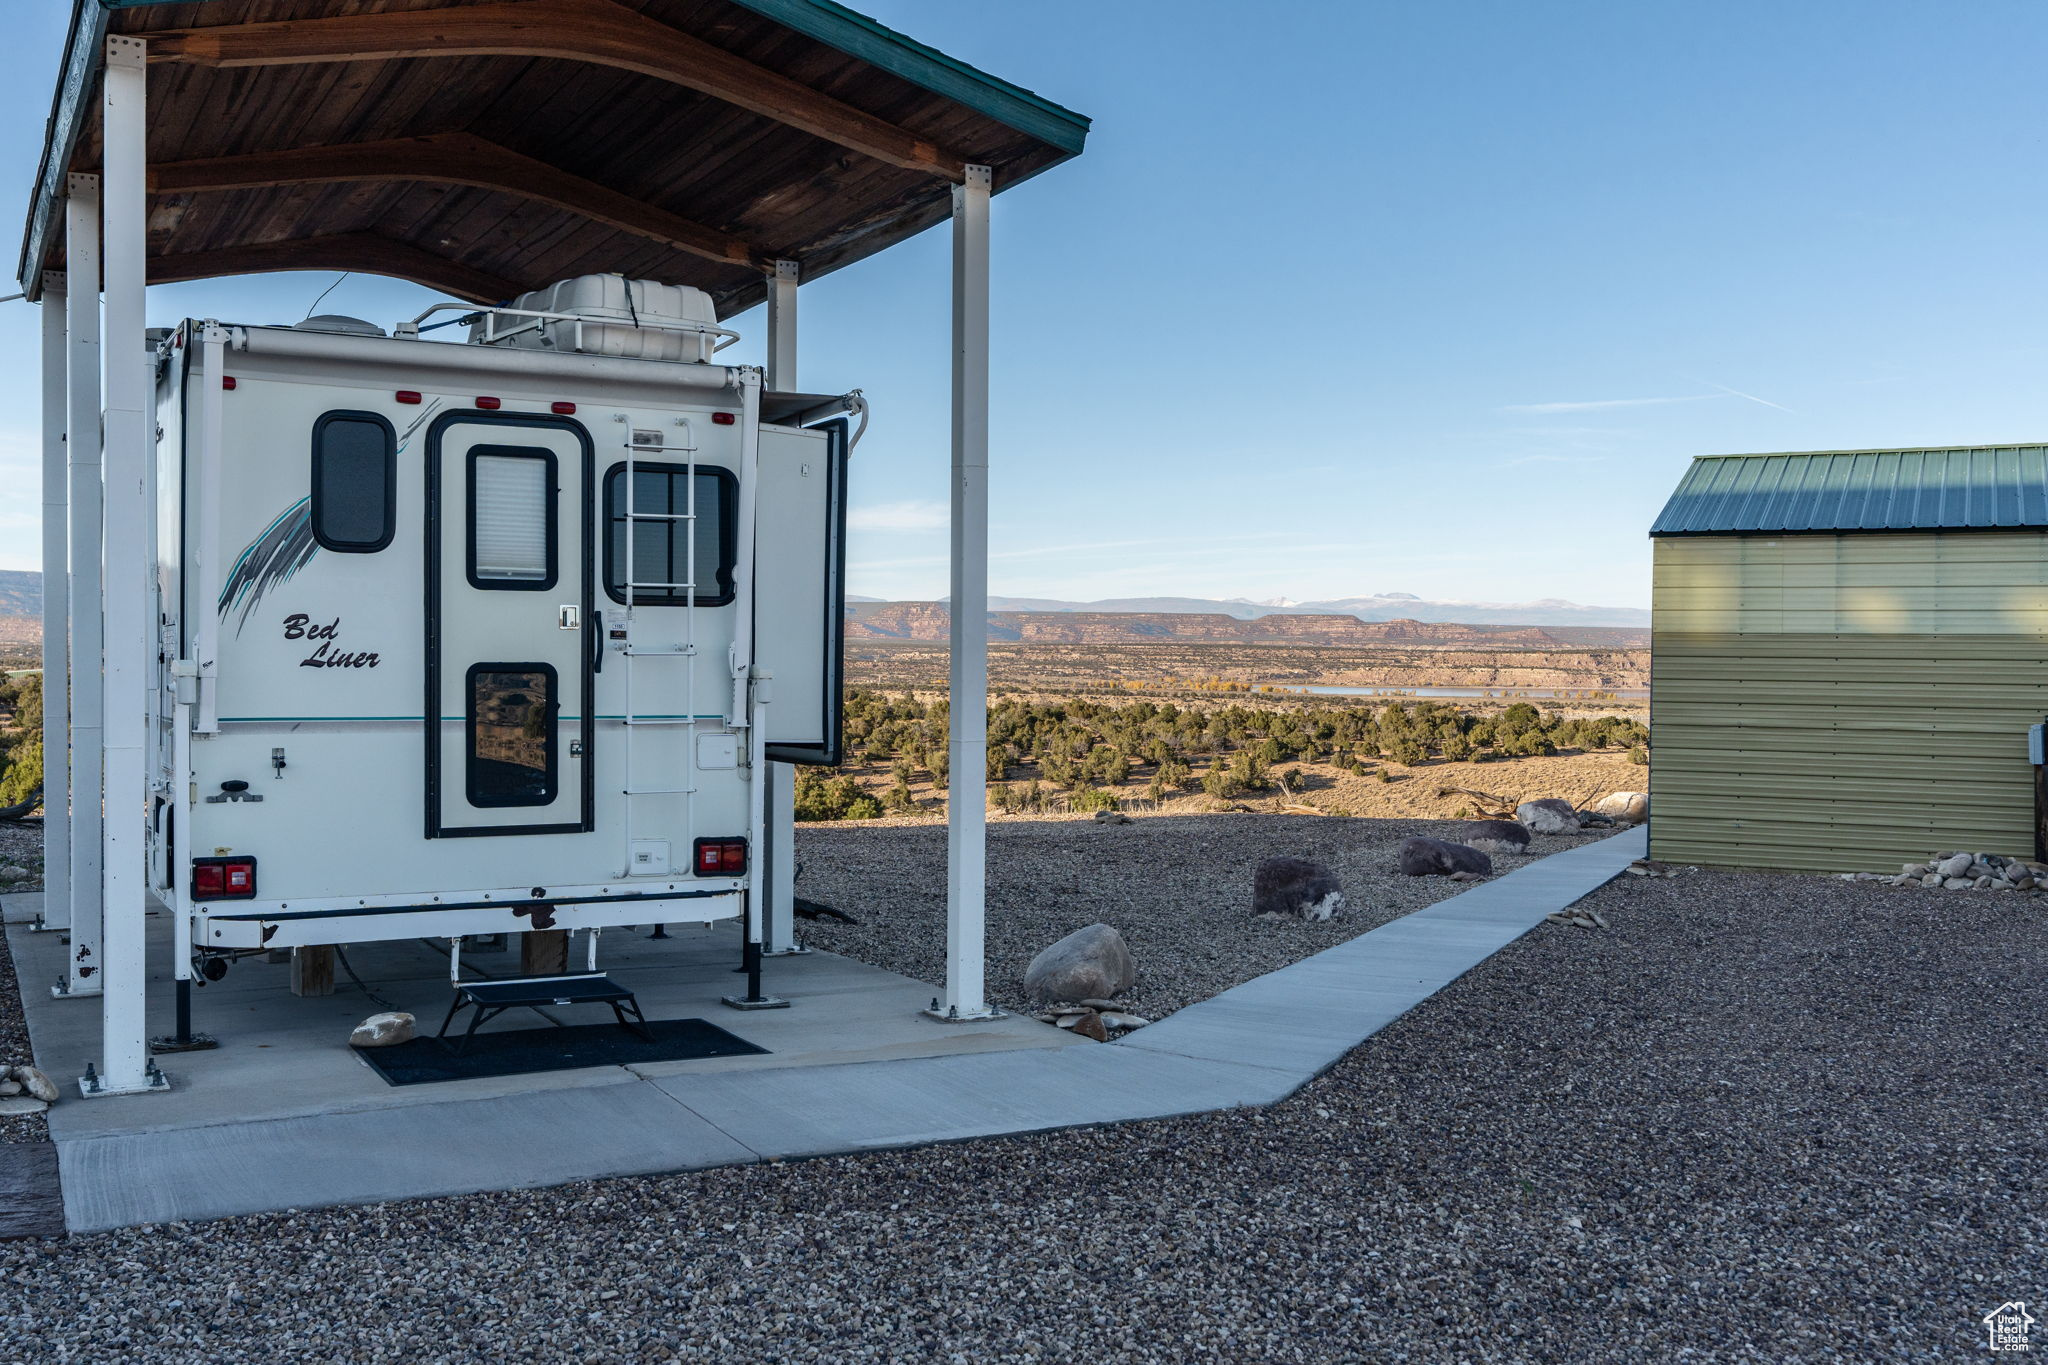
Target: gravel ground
{"x": 1762, "y": 1119}
{"x": 14, "y": 1051}
{"x": 1178, "y": 888}
{"x": 22, "y": 846}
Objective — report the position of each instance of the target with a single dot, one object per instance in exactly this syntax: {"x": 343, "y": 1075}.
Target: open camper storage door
{"x": 509, "y": 632}
{"x": 800, "y": 597}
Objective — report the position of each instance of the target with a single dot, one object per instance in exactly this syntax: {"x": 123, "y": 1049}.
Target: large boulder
{"x": 1435, "y": 858}
{"x": 1624, "y": 808}
{"x": 1091, "y": 963}
{"x": 383, "y": 1030}
{"x": 1295, "y": 888}
{"x": 1504, "y": 832}
{"x": 1548, "y": 816}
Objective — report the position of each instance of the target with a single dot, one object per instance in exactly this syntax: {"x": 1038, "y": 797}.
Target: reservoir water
{"x": 1500, "y": 693}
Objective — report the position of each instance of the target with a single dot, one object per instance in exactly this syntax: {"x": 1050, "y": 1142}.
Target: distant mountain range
{"x": 1385, "y": 606}
{"x": 928, "y": 621}
{"x": 21, "y": 593}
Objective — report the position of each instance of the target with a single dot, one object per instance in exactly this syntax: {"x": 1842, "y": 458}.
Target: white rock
{"x": 14, "y": 1106}
{"x": 1548, "y": 816}
{"x": 1931, "y": 879}
{"x": 1958, "y": 883}
{"x": 383, "y": 1030}
{"x": 1955, "y": 866}
{"x": 35, "y": 1082}
{"x": 10, "y": 1087}
{"x": 1625, "y": 808}
{"x": 1118, "y": 1019}
{"x": 13, "y": 872}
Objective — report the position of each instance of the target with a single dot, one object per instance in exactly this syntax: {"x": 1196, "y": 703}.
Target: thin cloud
{"x": 1598, "y": 404}
{"x": 899, "y": 516}
{"x": 1750, "y": 396}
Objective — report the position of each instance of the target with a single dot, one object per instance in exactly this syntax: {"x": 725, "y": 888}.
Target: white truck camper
{"x": 489, "y": 637}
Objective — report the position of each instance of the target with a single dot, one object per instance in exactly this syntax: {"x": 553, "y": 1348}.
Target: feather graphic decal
{"x": 281, "y": 551}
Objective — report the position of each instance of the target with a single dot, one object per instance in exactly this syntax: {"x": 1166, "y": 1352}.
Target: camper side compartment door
{"x": 800, "y": 594}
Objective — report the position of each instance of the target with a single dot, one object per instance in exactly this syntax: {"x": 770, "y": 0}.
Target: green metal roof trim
{"x": 899, "y": 55}
{"x": 60, "y": 134}
{"x": 1962, "y": 488}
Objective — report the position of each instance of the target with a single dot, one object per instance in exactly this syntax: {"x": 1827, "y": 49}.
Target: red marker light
{"x": 723, "y": 419}
{"x": 407, "y": 396}
{"x": 227, "y": 381}
{"x": 565, "y": 409}
{"x": 488, "y": 404}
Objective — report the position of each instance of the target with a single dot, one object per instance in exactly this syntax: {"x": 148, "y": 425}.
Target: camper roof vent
{"x": 608, "y": 315}
{"x": 336, "y": 322}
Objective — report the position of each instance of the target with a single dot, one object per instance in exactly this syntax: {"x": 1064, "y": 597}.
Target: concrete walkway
{"x": 1252, "y": 1045}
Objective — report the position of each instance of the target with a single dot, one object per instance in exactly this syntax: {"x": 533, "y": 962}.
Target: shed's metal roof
{"x": 1961, "y": 488}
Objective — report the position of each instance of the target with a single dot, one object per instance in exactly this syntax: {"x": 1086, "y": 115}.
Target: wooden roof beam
{"x": 454, "y": 159}
{"x": 364, "y": 252}
{"x": 601, "y": 32}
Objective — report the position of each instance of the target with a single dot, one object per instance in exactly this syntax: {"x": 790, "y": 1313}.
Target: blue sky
{"x": 1357, "y": 297}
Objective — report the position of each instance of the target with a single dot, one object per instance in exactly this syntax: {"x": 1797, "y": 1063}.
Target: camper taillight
{"x": 223, "y": 879}
{"x": 721, "y": 857}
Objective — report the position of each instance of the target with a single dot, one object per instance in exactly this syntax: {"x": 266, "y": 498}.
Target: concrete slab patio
{"x": 284, "y": 1115}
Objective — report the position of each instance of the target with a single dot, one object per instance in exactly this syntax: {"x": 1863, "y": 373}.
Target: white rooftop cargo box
{"x": 609, "y": 315}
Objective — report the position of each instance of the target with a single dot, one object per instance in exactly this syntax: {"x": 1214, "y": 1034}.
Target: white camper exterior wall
{"x": 324, "y": 653}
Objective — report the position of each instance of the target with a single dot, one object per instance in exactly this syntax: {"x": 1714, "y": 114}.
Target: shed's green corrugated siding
{"x": 1840, "y": 703}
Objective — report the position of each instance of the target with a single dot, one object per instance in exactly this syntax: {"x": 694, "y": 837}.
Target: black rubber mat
{"x": 518, "y": 1052}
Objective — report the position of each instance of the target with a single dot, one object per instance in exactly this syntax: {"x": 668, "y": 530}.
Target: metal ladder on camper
{"x": 686, "y": 649}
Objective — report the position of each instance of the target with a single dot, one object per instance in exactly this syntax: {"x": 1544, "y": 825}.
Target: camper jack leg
{"x": 751, "y": 964}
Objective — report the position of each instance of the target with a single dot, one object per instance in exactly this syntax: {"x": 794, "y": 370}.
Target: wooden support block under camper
{"x": 544, "y": 952}
{"x": 313, "y": 970}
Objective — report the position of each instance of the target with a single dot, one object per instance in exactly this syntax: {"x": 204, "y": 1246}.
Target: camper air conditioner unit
{"x": 608, "y": 315}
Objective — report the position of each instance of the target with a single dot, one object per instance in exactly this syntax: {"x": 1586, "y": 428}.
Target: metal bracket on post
{"x": 967, "y": 739}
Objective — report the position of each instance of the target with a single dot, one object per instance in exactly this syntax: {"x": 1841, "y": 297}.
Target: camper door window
{"x": 663, "y": 575}
{"x": 512, "y": 721}
{"x": 355, "y": 481}
{"x": 512, "y": 528}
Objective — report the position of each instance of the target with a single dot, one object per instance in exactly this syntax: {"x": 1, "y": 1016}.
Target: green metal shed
{"x": 1847, "y": 650}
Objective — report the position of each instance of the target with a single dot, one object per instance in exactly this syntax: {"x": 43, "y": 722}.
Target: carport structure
{"x": 482, "y": 149}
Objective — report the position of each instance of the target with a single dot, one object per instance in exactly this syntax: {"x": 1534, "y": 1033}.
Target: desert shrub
{"x": 1637, "y": 754}
{"x": 819, "y": 797}
{"x": 898, "y": 800}
{"x": 863, "y": 807}
{"x": 1220, "y": 782}
{"x": 1406, "y": 751}
{"x": 1091, "y": 799}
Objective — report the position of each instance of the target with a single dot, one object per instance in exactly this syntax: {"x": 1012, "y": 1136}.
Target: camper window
{"x": 512, "y": 517}
{"x": 512, "y": 709}
{"x": 355, "y": 481}
{"x": 661, "y": 535}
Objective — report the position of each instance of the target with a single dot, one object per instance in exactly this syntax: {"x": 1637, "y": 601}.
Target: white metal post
{"x": 56, "y": 619}
{"x": 82, "y": 453}
{"x": 782, "y": 328}
{"x": 125, "y": 1065}
{"x": 779, "y": 884}
{"x": 967, "y": 781}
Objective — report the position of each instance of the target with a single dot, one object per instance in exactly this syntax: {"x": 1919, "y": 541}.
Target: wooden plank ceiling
{"x": 487, "y": 147}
